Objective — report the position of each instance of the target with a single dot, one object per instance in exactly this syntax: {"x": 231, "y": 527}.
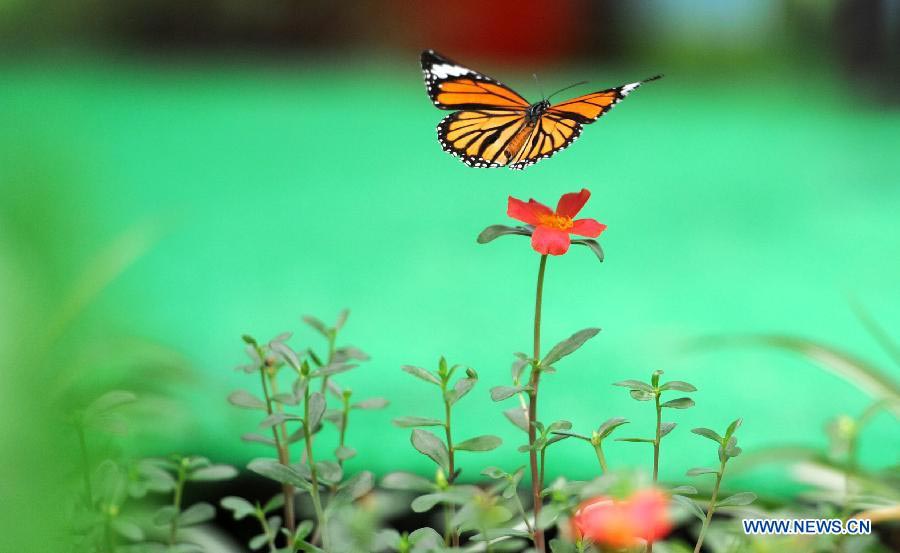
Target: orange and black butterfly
{"x": 495, "y": 126}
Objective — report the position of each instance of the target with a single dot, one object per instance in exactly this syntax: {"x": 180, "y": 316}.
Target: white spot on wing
{"x": 444, "y": 70}
{"x": 629, "y": 87}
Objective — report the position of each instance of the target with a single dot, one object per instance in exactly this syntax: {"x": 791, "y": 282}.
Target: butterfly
{"x": 495, "y": 126}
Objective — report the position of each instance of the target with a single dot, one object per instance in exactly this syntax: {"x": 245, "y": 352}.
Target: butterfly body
{"x": 493, "y": 126}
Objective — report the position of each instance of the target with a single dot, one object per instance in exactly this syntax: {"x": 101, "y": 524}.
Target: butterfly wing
{"x": 553, "y": 133}
{"x": 588, "y": 108}
{"x": 483, "y": 138}
{"x": 453, "y": 86}
{"x": 561, "y": 124}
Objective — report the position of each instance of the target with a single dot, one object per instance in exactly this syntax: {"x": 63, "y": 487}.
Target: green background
{"x": 250, "y": 194}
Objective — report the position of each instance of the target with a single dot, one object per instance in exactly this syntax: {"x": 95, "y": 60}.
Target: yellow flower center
{"x": 555, "y": 221}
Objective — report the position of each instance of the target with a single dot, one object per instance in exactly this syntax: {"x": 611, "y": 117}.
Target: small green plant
{"x": 641, "y": 391}
{"x": 297, "y": 415}
{"x": 443, "y": 452}
{"x": 727, "y": 449}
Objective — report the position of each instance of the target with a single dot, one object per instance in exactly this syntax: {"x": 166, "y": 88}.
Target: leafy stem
{"x": 314, "y": 477}
{"x": 536, "y": 473}
{"x": 450, "y": 509}
{"x": 270, "y": 536}
{"x": 600, "y": 457}
{"x": 657, "y": 439}
{"x": 181, "y": 476}
{"x": 712, "y": 506}
{"x": 266, "y": 366}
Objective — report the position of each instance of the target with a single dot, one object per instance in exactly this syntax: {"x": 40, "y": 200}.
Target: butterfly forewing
{"x": 454, "y": 86}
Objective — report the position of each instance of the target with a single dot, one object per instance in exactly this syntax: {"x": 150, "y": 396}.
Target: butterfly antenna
{"x": 567, "y": 88}
{"x": 538, "y": 83}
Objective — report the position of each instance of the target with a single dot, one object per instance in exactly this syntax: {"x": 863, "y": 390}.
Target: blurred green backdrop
{"x": 754, "y": 189}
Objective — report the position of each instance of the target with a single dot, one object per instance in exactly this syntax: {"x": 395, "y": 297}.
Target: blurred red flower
{"x": 615, "y": 523}
{"x": 552, "y": 228}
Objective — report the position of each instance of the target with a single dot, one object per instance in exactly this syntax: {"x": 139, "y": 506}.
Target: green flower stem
{"x": 261, "y": 516}
{"x": 712, "y": 507}
{"x": 657, "y": 440}
{"x": 314, "y": 477}
{"x": 598, "y": 449}
{"x": 176, "y": 499}
{"x": 281, "y": 446}
{"x": 536, "y": 481}
{"x": 85, "y": 463}
{"x": 451, "y": 466}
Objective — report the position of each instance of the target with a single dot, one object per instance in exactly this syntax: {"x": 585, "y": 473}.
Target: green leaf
{"x": 196, "y": 514}
{"x": 680, "y": 403}
{"x": 354, "y": 488}
{"x": 637, "y": 440}
{"x": 369, "y": 404}
{"x": 329, "y": 472}
{"x": 246, "y": 400}
{"x": 592, "y": 244}
{"x": 518, "y": 416}
{"x": 317, "y": 405}
{"x": 341, "y": 319}
{"x": 431, "y": 446}
{"x": 654, "y": 378}
{"x": 256, "y": 438}
{"x": 109, "y": 401}
{"x": 277, "y": 418}
{"x": 238, "y": 505}
{"x": 462, "y": 387}
{"x": 641, "y": 395}
{"x": 679, "y": 385}
{"x": 258, "y": 541}
{"x": 480, "y": 443}
{"x": 342, "y": 453}
{"x": 419, "y": 372}
{"x": 697, "y": 471}
{"x": 499, "y": 393}
{"x": 691, "y": 506}
{"x": 665, "y": 428}
{"x": 164, "y": 515}
{"x": 410, "y": 422}
{"x": 494, "y": 472}
{"x": 495, "y": 231}
{"x": 272, "y": 469}
{"x": 733, "y": 427}
{"x": 213, "y": 473}
{"x": 568, "y": 346}
{"x": 128, "y": 529}
{"x": 688, "y": 490}
{"x": 707, "y": 433}
{"x": 406, "y": 481}
{"x": 609, "y": 425}
{"x": 568, "y": 434}
{"x": 737, "y": 500}
{"x": 318, "y": 325}
{"x": 635, "y": 385}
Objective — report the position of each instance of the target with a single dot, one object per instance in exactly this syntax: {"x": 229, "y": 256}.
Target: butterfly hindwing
{"x": 483, "y": 138}
{"x": 454, "y": 86}
{"x": 553, "y": 134}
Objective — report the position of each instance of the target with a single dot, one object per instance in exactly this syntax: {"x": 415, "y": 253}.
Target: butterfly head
{"x": 535, "y": 110}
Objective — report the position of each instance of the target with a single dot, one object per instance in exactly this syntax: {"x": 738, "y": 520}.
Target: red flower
{"x": 552, "y": 228}
{"x": 618, "y": 524}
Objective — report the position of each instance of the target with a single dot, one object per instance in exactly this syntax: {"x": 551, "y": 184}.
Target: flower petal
{"x": 570, "y": 204}
{"x": 521, "y": 211}
{"x": 551, "y": 241}
{"x": 587, "y": 227}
